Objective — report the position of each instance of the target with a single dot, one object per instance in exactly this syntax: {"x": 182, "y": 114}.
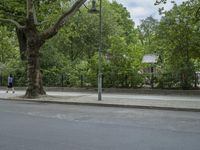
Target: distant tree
{"x": 178, "y": 33}
{"x": 147, "y": 31}
{"x": 193, "y": 4}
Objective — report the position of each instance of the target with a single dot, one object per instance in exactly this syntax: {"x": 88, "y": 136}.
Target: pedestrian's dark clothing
{"x": 10, "y": 82}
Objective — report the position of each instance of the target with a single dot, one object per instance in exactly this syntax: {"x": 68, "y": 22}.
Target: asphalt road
{"x": 36, "y": 126}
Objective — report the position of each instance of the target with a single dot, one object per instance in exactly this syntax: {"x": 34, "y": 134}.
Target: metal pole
{"x": 152, "y": 76}
{"x": 100, "y": 57}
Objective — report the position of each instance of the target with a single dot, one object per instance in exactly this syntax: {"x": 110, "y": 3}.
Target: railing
{"x": 109, "y": 80}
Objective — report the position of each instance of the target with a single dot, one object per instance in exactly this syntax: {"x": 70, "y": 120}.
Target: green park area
{"x": 61, "y": 43}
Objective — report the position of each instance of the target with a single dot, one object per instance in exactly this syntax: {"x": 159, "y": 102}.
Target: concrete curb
{"x": 121, "y": 90}
{"x": 107, "y": 105}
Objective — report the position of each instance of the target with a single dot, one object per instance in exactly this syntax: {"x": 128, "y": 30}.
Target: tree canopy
{"x": 70, "y": 58}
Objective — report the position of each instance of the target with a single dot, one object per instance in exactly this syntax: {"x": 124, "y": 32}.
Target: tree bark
{"x": 22, "y": 43}
{"x": 34, "y": 75}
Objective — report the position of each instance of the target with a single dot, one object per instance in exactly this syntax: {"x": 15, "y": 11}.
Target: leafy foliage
{"x": 71, "y": 57}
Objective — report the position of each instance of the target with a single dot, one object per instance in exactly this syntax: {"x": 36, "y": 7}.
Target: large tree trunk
{"x": 30, "y": 41}
{"x": 29, "y": 51}
{"x": 34, "y": 75}
{"x": 22, "y": 43}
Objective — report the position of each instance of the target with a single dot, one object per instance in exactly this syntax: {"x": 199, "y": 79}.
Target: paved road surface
{"x": 36, "y": 126}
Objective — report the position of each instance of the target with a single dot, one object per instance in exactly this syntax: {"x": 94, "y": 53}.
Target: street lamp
{"x": 94, "y": 10}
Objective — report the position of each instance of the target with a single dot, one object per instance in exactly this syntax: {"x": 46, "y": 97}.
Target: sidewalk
{"x": 126, "y": 100}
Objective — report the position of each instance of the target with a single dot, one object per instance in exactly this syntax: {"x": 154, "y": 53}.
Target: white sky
{"x": 140, "y": 9}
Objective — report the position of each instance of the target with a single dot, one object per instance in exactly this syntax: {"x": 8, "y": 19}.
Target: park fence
{"x": 109, "y": 80}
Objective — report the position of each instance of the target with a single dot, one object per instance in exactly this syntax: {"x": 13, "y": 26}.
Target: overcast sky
{"x": 140, "y": 9}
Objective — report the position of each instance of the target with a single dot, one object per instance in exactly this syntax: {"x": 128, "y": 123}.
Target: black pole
{"x": 195, "y": 79}
{"x": 62, "y": 78}
{"x": 81, "y": 80}
{"x": 0, "y": 80}
{"x": 152, "y": 82}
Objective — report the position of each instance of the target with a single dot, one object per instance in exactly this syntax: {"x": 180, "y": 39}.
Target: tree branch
{"x": 198, "y": 14}
{"x": 50, "y": 32}
{"x": 160, "y": 1}
{"x": 31, "y": 13}
{"x": 12, "y": 21}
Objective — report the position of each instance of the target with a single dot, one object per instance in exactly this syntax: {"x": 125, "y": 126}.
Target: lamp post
{"x": 94, "y": 10}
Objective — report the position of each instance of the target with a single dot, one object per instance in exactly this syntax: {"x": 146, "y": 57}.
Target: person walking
{"x": 10, "y": 83}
